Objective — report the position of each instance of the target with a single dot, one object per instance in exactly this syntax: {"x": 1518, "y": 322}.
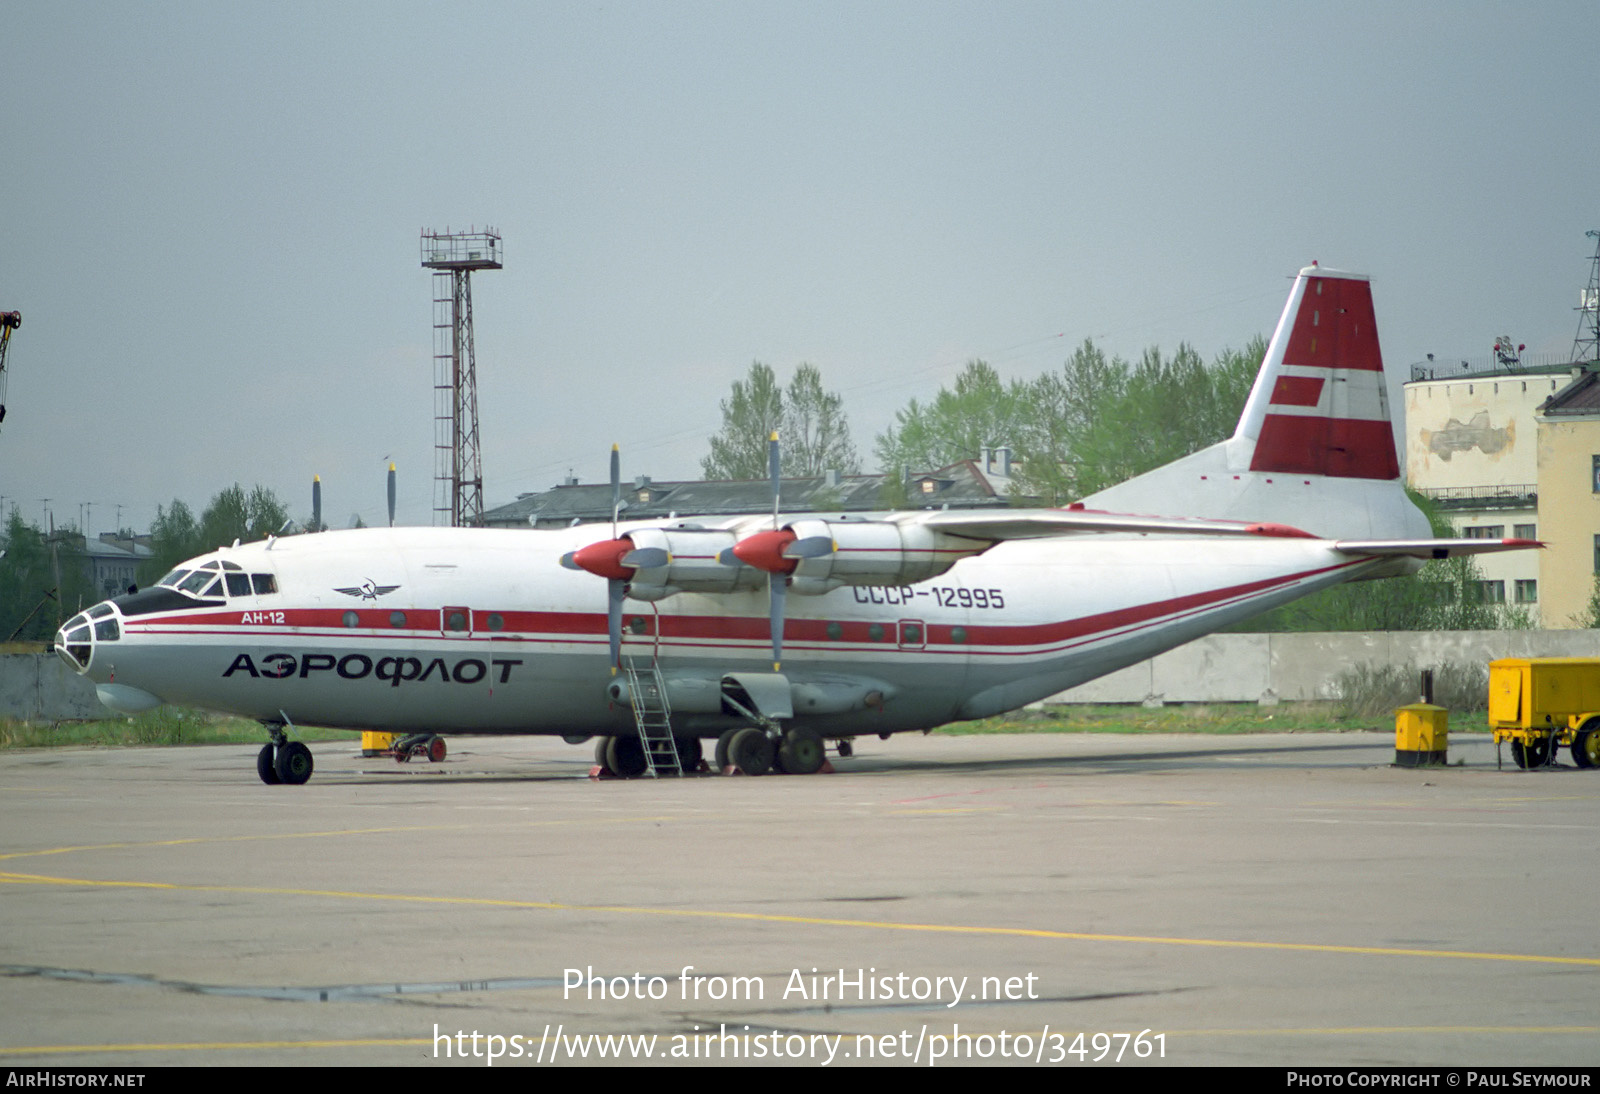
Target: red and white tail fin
{"x": 1319, "y": 405}
{"x": 1314, "y": 447}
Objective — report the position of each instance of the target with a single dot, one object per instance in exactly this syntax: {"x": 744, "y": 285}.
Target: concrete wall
{"x": 38, "y": 687}
{"x": 1231, "y": 668}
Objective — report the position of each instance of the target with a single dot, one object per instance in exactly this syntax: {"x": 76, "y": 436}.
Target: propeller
{"x": 615, "y": 560}
{"x": 767, "y": 551}
{"x": 777, "y": 583}
{"x": 777, "y": 552}
{"x": 391, "y": 493}
{"x": 316, "y": 503}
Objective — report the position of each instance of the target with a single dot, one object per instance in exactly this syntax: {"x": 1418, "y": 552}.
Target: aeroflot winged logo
{"x": 367, "y": 591}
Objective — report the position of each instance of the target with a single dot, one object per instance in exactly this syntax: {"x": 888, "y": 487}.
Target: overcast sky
{"x": 211, "y": 213}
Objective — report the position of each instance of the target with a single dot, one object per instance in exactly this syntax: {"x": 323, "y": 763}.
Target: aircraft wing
{"x": 1042, "y": 523}
{"x": 1430, "y": 548}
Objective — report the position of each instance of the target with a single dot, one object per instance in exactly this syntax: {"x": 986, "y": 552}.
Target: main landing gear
{"x": 622, "y": 756}
{"x": 282, "y": 760}
{"x": 747, "y": 750}
{"x": 753, "y": 750}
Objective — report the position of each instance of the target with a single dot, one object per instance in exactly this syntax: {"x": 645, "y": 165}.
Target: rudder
{"x": 1319, "y": 405}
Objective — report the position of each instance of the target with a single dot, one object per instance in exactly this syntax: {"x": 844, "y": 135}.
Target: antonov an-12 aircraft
{"x": 775, "y": 635}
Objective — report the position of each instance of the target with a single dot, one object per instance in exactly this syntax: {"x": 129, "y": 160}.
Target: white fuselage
{"x": 482, "y": 631}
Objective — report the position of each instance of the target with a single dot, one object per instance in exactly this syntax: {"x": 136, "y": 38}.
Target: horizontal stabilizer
{"x": 1430, "y": 548}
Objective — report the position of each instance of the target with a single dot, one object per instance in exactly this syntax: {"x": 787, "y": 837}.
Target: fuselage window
{"x": 496, "y": 623}
{"x": 264, "y": 584}
{"x": 397, "y": 619}
{"x": 457, "y": 621}
{"x": 351, "y": 619}
{"x": 238, "y": 584}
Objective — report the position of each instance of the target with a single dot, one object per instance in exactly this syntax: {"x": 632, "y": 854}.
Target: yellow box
{"x": 376, "y": 744}
{"x": 1539, "y": 692}
{"x": 1421, "y": 735}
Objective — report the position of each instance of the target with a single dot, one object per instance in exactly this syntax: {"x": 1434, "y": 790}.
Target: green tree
{"x": 235, "y": 515}
{"x": 1100, "y": 421}
{"x": 176, "y": 535}
{"x": 750, "y": 415}
{"x": 980, "y": 411}
{"x": 1071, "y": 431}
{"x": 815, "y": 433}
{"x": 809, "y": 419}
{"x": 43, "y": 579}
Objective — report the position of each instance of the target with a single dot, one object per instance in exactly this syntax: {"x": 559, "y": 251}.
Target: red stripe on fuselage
{"x": 537, "y": 626}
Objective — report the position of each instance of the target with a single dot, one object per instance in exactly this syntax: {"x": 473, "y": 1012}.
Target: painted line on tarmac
{"x": 267, "y": 837}
{"x": 810, "y": 921}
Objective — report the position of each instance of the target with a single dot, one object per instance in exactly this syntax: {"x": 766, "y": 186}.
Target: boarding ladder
{"x": 647, "y": 693}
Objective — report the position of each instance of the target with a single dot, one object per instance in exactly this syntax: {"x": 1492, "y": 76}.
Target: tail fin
{"x": 1314, "y": 447}
{"x": 1319, "y": 405}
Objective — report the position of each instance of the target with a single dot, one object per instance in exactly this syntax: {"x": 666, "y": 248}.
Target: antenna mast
{"x": 458, "y": 477}
{"x": 1586, "y": 344}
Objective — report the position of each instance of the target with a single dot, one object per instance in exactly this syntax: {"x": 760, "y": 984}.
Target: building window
{"x": 1594, "y": 478}
{"x": 1525, "y": 531}
{"x": 1527, "y": 592}
{"x": 1597, "y": 554}
{"x": 1491, "y": 592}
{"x": 1484, "y": 531}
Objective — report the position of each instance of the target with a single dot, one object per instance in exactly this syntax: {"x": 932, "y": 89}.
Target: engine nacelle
{"x": 871, "y": 553}
{"x": 687, "y": 563}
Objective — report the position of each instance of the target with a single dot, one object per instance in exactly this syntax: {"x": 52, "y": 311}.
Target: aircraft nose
{"x": 73, "y": 642}
{"x": 78, "y": 636}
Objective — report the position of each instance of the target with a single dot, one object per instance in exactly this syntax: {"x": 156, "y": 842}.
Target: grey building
{"x": 968, "y": 484}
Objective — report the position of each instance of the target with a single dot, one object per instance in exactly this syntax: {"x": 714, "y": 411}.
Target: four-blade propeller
{"x": 608, "y": 559}
{"x": 777, "y": 552}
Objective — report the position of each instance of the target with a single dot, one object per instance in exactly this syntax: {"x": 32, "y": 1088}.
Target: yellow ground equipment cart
{"x": 1540, "y": 703}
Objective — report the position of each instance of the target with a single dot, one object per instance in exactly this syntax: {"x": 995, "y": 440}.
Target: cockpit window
{"x": 194, "y": 582}
{"x": 218, "y": 578}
